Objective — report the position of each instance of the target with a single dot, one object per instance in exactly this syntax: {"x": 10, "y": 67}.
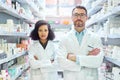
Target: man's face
{"x": 79, "y": 18}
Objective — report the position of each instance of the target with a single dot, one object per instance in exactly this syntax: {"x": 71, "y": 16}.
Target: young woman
{"x": 42, "y": 53}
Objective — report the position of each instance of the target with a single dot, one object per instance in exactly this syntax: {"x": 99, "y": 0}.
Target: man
{"x": 80, "y": 52}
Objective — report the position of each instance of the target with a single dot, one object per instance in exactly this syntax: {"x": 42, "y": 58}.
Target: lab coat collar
{"x": 39, "y": 45}
{"x": 84, "y": 31}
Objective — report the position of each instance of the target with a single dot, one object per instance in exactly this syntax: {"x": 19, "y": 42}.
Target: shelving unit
{"x": 13, "y": 37}
{"x": 96, "y": 8}
{"x": 13, "y": 34}
{"x": 32, "y": 6}
{"x": 112, "y": 40}
{"x": 19, "y": 74}
{"x": 12, "y": 12}
{"x": 12, "y": 57}
{"x": 20, "y": 68}
{"x": 114, "y": 61}
{"x": 115, "y": 11}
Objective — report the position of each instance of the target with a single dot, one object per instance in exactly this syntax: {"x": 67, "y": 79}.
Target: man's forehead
{"x": 79, "y": 10}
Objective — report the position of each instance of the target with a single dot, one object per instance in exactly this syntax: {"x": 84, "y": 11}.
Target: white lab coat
{"x": 87, "y": 69}
{"x": 43, "y": 69}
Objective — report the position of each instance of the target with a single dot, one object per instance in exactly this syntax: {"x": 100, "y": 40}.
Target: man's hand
{"x": 95, "y": 51}
{"x": 36, "y": 58}
{"x": 71, "y": 57}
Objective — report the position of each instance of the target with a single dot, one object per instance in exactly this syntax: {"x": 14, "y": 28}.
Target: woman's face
{"x": 43, "y": 32}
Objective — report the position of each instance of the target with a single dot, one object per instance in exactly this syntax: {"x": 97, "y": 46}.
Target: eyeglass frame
{"x": 81, "y": 15}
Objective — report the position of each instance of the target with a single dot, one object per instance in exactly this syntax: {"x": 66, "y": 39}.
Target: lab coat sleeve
{"x": 90, "y": 60}
{"x": 54, "y": 57}
{"x": 64, "y": 63}
{"x": 34, "y": 64}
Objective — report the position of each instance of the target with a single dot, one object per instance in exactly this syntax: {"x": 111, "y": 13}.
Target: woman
{"x": 42, "y": 53}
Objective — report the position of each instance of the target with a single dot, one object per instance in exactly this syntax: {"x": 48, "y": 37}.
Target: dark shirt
{"x": 43, "y": 45}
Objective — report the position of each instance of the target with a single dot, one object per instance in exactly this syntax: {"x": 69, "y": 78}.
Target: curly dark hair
{"x": 34, "y": 34}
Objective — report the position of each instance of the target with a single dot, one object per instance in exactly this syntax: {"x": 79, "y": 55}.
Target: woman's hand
{"x": 52, "y": 61}
{"x": 36, "y": 58}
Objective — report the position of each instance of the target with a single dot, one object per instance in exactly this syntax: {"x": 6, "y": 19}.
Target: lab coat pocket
{"x": 89, "y": 78}
{"x": 36, "y": 77}
{"x": 35, "y": 71}
{"x": 90, "y": 47}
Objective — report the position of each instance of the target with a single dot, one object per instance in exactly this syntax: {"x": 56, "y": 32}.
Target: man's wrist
{"x": 77, "y": 60}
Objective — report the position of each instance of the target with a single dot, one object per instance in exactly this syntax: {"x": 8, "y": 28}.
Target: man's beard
{"x": 78, "y": 23}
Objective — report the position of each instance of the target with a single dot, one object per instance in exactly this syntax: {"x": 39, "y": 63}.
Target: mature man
{"x": 80, "y": 51}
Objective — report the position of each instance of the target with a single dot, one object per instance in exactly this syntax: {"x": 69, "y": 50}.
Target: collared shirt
{"x": 80, "y": 35}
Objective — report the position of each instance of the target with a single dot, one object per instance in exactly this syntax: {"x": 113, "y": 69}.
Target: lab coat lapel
{"x": 84, "y": 40}
{"x": 47, "y": 46}
{"x": 41, "y": 50}
{"x": 84, "y": 43}
{"x": 74, "y": 39}
{"x": 39, "y": 46}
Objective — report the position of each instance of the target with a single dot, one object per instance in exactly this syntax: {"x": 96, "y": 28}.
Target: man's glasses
{"x": 81, "y": 15}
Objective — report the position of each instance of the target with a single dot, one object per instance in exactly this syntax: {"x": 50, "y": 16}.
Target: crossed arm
{"x": 94, "y": 52}
{"x": 36, "y": 58}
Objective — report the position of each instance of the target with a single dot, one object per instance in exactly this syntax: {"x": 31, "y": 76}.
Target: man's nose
{"x": 79, "y": 17}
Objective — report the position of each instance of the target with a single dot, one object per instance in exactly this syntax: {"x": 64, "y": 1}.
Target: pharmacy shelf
{"x": 97, "y": 7}
{"x": 114, "y": 36}
{"x": 13, "y": 34}
{"x": 12, "y": 57}
{"x": 18, "y": 75}
{"x": 115, "y": 11}
{"x": 33, "y": 7}
{"x": 113, "y": 39}
{"x": 94, "y": 10}
{"x": 6, "y": 9}
{"x": 114, "y": 61}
